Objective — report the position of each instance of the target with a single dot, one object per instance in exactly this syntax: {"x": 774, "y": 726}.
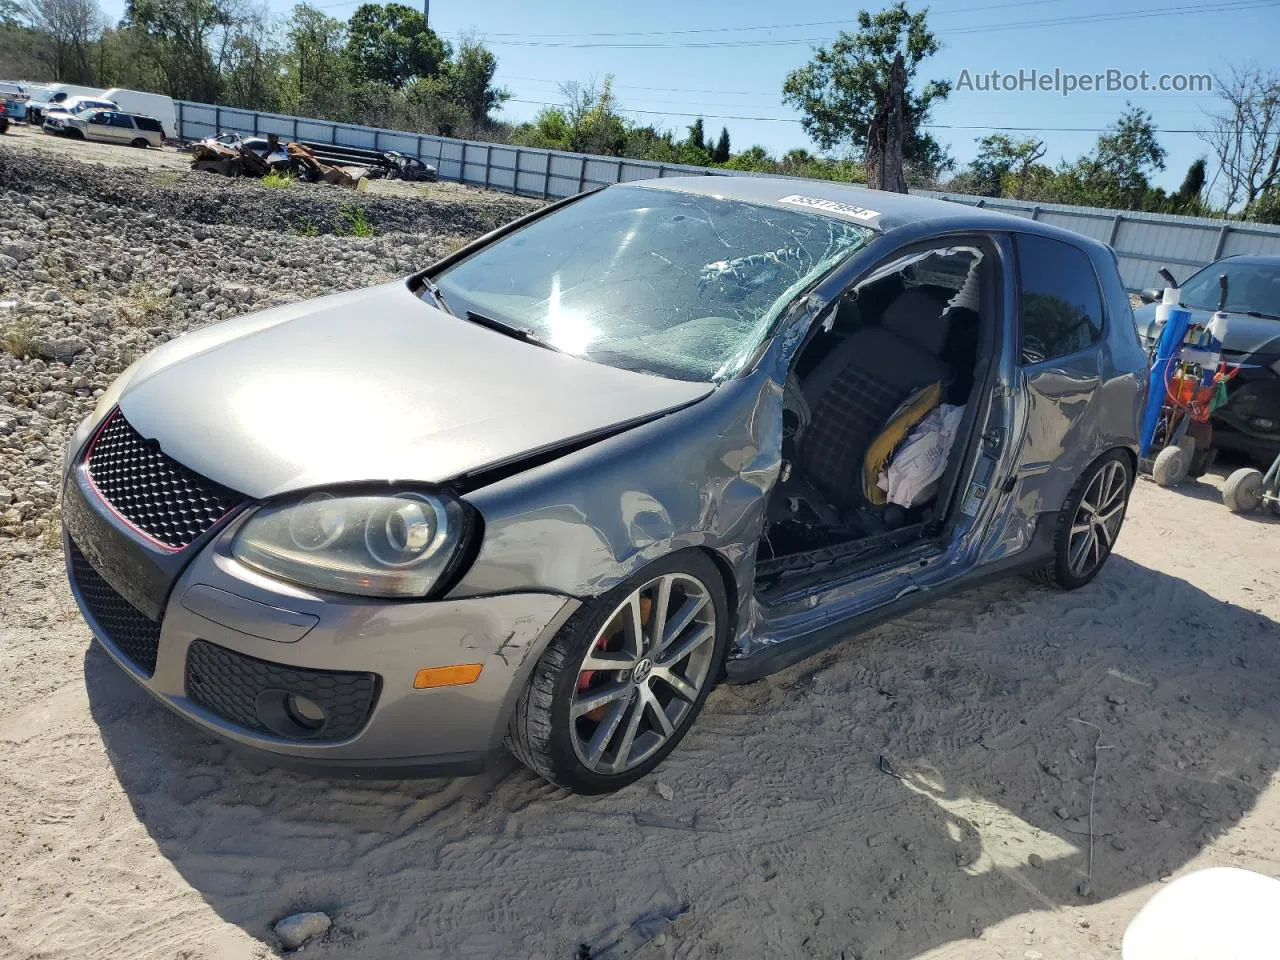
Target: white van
{"x": 149, "y": 104}
{"x": 54, "y": 95}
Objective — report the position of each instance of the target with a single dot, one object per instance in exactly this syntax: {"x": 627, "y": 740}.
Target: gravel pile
{"x": 98, "y": 265}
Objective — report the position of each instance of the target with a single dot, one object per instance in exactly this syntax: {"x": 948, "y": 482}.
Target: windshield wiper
{"x": 515, "y": 333}
{"x": 430, "y": 286}
{"x": 1261, "y": 315}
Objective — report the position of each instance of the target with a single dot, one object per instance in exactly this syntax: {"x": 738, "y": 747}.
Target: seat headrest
{"x": 916, "y": 315}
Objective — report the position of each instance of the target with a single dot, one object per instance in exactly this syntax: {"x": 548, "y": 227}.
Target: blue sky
{"x": 738, "y": 81}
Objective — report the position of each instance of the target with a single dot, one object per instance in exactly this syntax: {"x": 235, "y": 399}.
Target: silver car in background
{"x": 551, "y": 490}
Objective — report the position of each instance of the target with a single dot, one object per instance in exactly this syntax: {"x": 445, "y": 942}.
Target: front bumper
{"x": 232, "y": 644}
{"x": 1250, "y": 419}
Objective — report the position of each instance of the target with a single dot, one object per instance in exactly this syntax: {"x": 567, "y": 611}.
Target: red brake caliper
{"x": 604, "y": 644}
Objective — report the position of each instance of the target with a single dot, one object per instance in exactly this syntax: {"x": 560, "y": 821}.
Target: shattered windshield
{"x": 664, "y": 282}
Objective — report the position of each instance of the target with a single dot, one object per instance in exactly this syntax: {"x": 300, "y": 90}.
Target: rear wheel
{"x": 1089, "y": 523}
{"x": 623, "y": 681}
{"x": 1242, "y": 493}
{"x": 140, "y": 142}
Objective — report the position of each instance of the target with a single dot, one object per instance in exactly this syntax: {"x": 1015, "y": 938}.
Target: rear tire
{"x": 1242, "y": 493}
{"x": 1089, "y": 523}
{"x": 140, "y": 142}
{"x": 602, "y": 748}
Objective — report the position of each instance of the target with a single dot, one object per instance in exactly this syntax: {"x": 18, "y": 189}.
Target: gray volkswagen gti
{"x": 550, "y": 491}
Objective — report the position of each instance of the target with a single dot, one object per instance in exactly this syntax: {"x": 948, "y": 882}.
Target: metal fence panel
{"x": 1143, "y": 242}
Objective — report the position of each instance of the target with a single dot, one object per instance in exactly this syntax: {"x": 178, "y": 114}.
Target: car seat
{"x": 855, "y": 389}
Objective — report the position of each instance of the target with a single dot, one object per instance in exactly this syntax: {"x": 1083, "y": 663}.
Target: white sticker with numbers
{"x": 831, "y": 206}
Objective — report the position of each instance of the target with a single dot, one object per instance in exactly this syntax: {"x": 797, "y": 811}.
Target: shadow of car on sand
{"x": 908, "y": 788}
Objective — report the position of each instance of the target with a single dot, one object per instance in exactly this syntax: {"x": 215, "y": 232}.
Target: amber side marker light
{"x": 452, "y": 676}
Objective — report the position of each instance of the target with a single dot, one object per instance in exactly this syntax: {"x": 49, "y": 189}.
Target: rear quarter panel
{"x": 1083, "y": 405}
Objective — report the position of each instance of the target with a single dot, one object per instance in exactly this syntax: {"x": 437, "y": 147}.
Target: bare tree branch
{"x": 1244, "y": 133}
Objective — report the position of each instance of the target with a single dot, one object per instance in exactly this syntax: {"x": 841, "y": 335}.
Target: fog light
{"x": 1262, "y": 423}
{"x": 305, "y": 713}
{"x": 452, "y": 676}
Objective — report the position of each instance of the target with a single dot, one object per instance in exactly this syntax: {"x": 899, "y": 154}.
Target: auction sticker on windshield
{"x": 832, "y": 206}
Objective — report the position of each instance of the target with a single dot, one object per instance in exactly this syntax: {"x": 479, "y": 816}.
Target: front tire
{"x": 625, "y": 678}
{"x": 1089, "y": 523}
{"x": 1172, "y": 465}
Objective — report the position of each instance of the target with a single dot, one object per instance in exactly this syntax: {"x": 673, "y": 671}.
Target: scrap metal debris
{"x": 235, "y": 156}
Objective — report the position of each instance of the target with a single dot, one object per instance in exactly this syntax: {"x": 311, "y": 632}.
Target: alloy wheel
{"x": 1098, "y": 519}
{"x": 645, "y": 669}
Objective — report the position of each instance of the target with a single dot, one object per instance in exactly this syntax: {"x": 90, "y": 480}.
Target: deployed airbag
{"x": 913, "y": 474}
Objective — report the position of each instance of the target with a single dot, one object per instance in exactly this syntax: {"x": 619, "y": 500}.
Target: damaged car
{"x": 549, "y": 491}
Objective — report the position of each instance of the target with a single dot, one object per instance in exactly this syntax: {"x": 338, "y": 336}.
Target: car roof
{"x": 879, "y": 209}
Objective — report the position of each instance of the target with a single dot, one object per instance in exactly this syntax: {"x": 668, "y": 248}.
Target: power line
{"x": 774, "y": 93}
{"x": 1233, "y": 5}
{"x": 847, "y": 21}
{"x": 933, "y": 126}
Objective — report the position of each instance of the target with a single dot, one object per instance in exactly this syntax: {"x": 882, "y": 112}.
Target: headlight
{"x": 376, "y": 545}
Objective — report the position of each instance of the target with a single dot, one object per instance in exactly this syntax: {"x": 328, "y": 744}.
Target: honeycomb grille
{"x": 155, "y": 493}
{"x": 244, "y": 690}
{"x": 134, "y": 634}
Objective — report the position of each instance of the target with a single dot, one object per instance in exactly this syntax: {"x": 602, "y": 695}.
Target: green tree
{"x": 839, "y": 91}
{"x": 721, "y": 153}
{"x": 1116, "y": 173}
{"x": 71, "y": 28}
{"x": 1266, "y": 206}
{"x": 697, "y": 135}
{"x": 1189, "y": 198}
{"x": 756, "y": 159}
{"x": 1129, "y": 150}
{"x": 186, "y": 41}
{"x": 392, "y": 44}
{"x": 316, "y": 70}
{"x": 254, "y": 66}
{"x": 1002, "y": 163}
{"x": 468, "y": 82}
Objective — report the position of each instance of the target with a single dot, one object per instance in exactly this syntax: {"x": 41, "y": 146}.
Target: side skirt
{"x": 770, "y": 660}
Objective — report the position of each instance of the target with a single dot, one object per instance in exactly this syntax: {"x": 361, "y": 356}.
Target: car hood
{"x": 1245, "y": 334}
{"x": 373, "y": 385}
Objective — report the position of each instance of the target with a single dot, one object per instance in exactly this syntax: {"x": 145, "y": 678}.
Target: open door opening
{"x": 880, "y": 411}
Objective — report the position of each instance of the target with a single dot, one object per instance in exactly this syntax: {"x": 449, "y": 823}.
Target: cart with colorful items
{"x": 1188, "y": 382}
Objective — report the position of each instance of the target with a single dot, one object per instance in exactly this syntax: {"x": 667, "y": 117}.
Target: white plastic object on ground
{"x": 921, "y": 459}
{"x": 1222, "y": 913}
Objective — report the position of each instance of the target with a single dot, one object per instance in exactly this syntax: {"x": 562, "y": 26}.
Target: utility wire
{"x": 934, "y": 126}
{"x": 847, "y": 21}
{"x": 1165, "y": 12}
{"x": 508, "y": 78}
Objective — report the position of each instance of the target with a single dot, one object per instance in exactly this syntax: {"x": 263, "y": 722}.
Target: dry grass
{"x": 453, "y": 244}
{"x": 20, "y": 339}
{"x": 143, "y": 305}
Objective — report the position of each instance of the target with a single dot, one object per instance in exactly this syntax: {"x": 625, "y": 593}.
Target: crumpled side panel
{"x": 587, "y": 521}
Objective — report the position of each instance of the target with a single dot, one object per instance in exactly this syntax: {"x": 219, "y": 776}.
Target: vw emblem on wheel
{"x": 642, "y": 670}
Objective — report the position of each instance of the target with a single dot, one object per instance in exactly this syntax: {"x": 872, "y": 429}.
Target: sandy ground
{"x": 128, "y": 834}
{"x": 168, "y": 158}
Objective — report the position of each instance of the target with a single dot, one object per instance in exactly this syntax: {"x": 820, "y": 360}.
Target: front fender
{"x": 587, "y": 521}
